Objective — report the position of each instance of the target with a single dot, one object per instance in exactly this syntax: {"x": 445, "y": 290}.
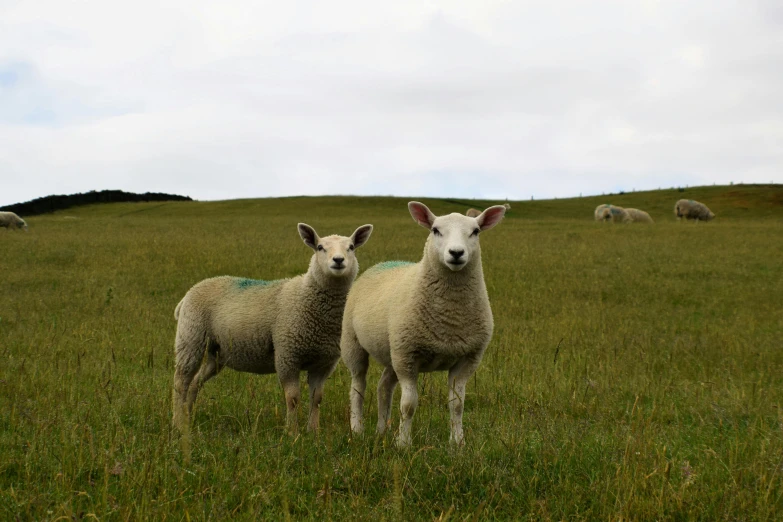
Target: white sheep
{"x": 690, "y": 209}
{"x": 610, "y": 213}
{"x": 433, "y": 315}
{"x": 472, "y": 212}
{"x": 638, "y": 216}
{"x": 284, "y": 326}
{"x": 11, "y": 221}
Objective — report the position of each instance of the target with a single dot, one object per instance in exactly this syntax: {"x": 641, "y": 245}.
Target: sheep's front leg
{"x": 315, "y": 382}
{"x": 290, "y": 383}
{"x": 458, "y": 379}
{"x": 408, "y": 404}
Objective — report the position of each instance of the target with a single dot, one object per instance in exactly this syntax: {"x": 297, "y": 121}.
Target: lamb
{"x": 11, "y": 221}
{"x": 472, "y": 212}
{"x": 638, "y": 216}
{"x": 690, "y": 209}
{"x": 607, "y": 213}
{"x": 284, "y": 326}
{"x": 433, "y": 315}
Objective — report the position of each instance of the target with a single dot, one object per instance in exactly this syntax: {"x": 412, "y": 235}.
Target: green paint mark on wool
{"x": 244, "y": 283}
{"x": 389, "y": 265}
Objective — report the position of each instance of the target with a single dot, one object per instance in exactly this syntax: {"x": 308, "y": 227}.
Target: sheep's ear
{"x": 491, "y": 217}
{"x": 472, "y": 212}
{"x": 421, "y": 214}
{"x": 361, "y": 235}
{"x": 308, "y": 234}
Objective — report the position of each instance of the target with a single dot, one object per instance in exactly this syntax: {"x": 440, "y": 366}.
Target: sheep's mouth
{"x": 337, "y": 267}
{"x": 456, "y": 262}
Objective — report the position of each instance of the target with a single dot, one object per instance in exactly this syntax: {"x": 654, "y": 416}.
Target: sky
{"x": 473, "y": 99}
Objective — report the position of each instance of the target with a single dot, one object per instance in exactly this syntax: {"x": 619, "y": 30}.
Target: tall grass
{"x": 635, "y": 372}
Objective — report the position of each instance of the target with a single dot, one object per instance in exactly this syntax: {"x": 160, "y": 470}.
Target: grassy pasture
{"x": 636, "y": 372}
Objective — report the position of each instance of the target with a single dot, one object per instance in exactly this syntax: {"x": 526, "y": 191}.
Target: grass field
{"x": 636, "y": 372}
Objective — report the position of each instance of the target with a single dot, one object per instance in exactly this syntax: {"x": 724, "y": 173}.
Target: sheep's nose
{"x": 338, "y": 260}
{"x": 456, "y": 254}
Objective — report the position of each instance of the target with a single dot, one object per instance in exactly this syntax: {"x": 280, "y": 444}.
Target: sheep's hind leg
{"x": 386, "y": 386}
{"x": 209, "y": 369}
{"x": 187, "y": 364}
{"x": 459, "y": 374}
{"x": 315, "y": 383}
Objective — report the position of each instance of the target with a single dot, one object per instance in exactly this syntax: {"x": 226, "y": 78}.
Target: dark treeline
{"x": 60, "y": 202}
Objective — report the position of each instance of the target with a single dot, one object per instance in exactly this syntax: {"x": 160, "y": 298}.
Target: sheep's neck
{"x": 440, "y": 282}
{"x": 333, "y": 287}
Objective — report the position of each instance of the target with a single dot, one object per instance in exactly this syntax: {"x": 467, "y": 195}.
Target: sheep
{"x": 10, "y": 220}
{"x": 602, "y": 212}
{"x": 284, "y": 326}
{"x": 607, "y": 213}
{"x": 472, "y": 212}
{"x": 690, "y": 209}
{"x": 433, "y": 315}
{"x": 638, "y": 216}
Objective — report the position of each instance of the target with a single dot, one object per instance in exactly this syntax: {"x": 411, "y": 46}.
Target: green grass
{"x": 636, "y": 372}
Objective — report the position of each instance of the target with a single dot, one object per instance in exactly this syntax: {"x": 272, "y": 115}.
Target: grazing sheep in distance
{"x": 472, "y": 212}
{"x": 638, "y": 216}
{"x": 607, "y": 213}
{"x": 602, "y": 212}
{"x": 433, "y": 315}
{"x": 690, "y": 209}
{"x": 284, "y": 326}
{"x": 10, "y": 220}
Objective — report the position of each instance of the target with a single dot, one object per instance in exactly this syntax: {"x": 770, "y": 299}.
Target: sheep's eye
{"x": 475, "y": 232}
{"x": 436, "y": 231}
{"x": 351, "y": 247}
{"x": 320, "y": 247}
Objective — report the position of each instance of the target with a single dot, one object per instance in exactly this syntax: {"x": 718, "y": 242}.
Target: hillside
{"x": 634, "y": 373}
{"x": 728, "y": 202}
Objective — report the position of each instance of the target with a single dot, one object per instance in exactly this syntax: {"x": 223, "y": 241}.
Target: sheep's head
{"x": 454, "y": 238}
{"x": 335, "y": 255}
{"x": 606, "y": 214}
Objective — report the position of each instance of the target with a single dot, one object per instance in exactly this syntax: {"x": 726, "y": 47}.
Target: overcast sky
{"x": 490, "y": 99}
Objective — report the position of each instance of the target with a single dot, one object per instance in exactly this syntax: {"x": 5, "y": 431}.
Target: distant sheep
{"x": 11, "y": 221}
{"x": 429, "y": 316}
{"x": 638, "y": 216}
{"x": 690, "y": 209}
{"x": 472, "y": 212}
{"x": 611, "y": 213}
{"x": 285, "y": 326}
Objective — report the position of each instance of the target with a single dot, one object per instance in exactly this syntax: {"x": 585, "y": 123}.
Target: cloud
{"x": 459, "y": 99}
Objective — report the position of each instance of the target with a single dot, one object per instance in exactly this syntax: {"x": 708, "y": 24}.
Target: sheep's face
{"x": 454, "y": 239}
{"x": 335, "y": 255}
{"x": 606, "y": 214}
